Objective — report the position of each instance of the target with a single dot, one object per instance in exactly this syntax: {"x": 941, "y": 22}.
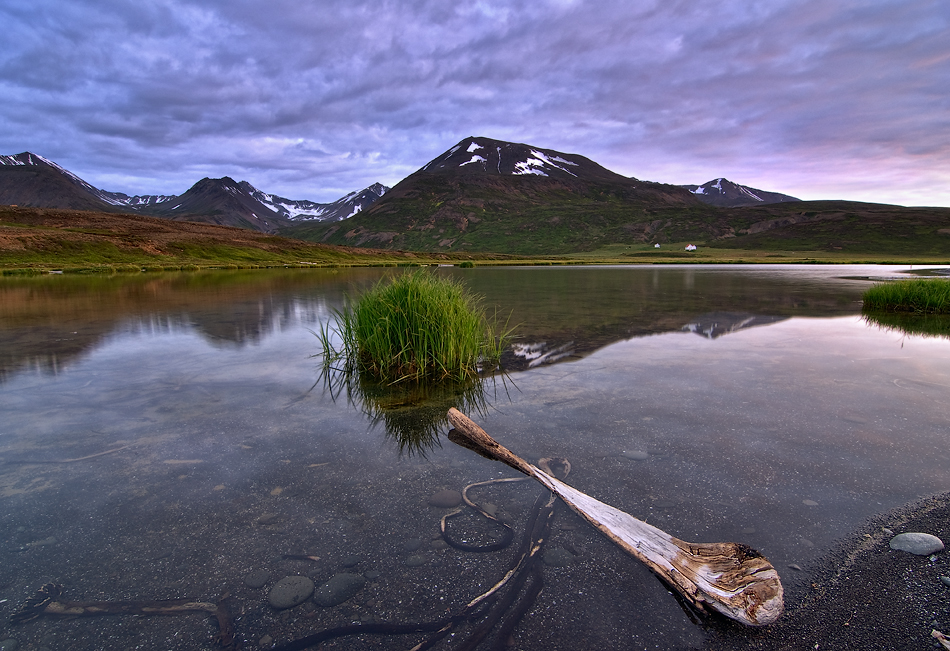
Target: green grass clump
{"x": 414, "y": 326}
{"x": 467, "y": 264}
{"x": 918, "y": 296}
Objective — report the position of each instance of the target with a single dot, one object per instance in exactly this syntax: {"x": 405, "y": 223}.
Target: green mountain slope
{"x": 517, "y": 199}
{"x": 486, "y": 195}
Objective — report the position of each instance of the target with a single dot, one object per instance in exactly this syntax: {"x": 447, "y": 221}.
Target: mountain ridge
{"x": 28, "y": 179}
{"x": 726, "y": 194}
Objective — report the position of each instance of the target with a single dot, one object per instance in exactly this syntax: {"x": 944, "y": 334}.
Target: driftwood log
{"x": 730, "y": 578}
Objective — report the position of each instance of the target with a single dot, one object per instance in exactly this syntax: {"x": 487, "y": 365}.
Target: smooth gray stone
{"x": 9, "y": 645}
{"x": 412, "y": 545}
{"x": 945, "y": 580}
{"x": 290, "y": 591}
{"x": 922, "y": 544}
{"x": 339, "y": 588}
{"x": 415, "y": 560}
{"x": 446, "y": 499}
{"x": 256, "y": 579}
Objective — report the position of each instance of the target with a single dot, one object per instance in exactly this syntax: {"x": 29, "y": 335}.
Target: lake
{"x": 168, "y": 436}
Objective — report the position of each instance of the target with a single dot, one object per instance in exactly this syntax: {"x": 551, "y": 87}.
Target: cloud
{"x": 316, "y": 100}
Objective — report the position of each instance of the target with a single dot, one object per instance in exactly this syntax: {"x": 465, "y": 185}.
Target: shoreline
{"x": 862, "y": 594}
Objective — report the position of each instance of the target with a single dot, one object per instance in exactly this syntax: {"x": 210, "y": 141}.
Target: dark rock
{"x": 257, "y": 579}
{"x": 290, "y": 591}
{"x": 338, "y": 589}
{"x": 446, "y": 499}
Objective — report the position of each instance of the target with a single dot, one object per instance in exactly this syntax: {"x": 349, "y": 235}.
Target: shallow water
{"x": 718, "y": 403}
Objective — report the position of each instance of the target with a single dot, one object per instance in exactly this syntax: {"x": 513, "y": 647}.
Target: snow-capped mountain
{"x": 481, "y": 155}
{"x": 723, "y": 192}
{"x": 31, "y": 180}
{"x": 303, "y": 210}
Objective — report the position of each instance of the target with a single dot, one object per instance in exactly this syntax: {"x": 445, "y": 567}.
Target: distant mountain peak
{"x": 481, "y": 155}
{"x": 724, "y": 193}
{"x": 219, "y": 201}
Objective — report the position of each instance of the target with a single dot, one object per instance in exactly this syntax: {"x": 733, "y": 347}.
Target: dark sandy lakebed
{"x": 748, "y": 404}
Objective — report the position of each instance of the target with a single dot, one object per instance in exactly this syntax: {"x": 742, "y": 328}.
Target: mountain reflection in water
{"x": 50, "y": 321}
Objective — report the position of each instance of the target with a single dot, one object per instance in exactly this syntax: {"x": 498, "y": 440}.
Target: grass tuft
{"x": 917, "y": 296}
{"x": 414, "y": 326}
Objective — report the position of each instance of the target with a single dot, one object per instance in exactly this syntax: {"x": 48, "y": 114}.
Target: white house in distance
{"x": 690, "y": 247}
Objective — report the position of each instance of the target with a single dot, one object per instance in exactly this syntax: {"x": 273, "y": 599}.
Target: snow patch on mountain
{"x": 475, "y": 159}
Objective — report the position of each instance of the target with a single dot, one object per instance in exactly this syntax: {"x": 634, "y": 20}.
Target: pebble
{"x": 9, "y": 644}
{"x": 635, "y": 455}
{"x": 341, "y": 587}
{"x": 809, "y": 502}
{"x": 446, "y": 499}
{"x": 350, "y": 561}
{"x": 290, "y": 591}
{"x": 945, "y": 580}
{"x": 558, "y": 557}
{"x": 793, "y": 566}
{"x": 412, "y": 545}
{"x": 266, "y": 642}
{"x": 415, "y": 560}
{"x": 922, "y": 544}
{"x": 268, "y": 518}
{"x": 372, "y": 575}
{"x": 257, "y": 579}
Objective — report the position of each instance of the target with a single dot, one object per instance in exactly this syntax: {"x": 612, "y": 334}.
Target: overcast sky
{"x": 313, "y": 99}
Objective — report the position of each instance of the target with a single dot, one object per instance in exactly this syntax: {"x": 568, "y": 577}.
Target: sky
{"x": 820, "y": 99}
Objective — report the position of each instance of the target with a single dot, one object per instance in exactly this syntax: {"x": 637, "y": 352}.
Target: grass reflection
{"x": 413, "y": 413}
{"x": 927, "y": 325}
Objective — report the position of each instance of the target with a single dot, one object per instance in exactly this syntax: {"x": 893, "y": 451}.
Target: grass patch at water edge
{"x": 414, "y": 326}
{"x": 918, "y": 296}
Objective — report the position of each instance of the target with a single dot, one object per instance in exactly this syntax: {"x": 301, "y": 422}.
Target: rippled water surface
{"x": 164, "y": 436}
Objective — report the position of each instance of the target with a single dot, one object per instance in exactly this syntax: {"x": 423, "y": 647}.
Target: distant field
{"x": 47, "y": 239}
{"x": 36, "y": 239}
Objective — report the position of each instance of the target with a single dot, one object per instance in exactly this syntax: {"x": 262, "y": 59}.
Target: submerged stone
{"x": 256, "y": 579}
{"x": 446, "y": 499}
{"x": 290, "y": 591}
{"x": 558, "y": 557}
{"x": 339, "y": 588}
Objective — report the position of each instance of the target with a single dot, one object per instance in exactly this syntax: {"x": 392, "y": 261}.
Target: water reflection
{"x": 50, "y": 322}
{"x": 926, "y": 325}
{"x": 414, "y": 413}
{"x": 717, "y": 324}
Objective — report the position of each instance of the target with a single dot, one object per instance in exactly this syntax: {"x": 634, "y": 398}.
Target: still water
{"x": 167, "y": 436}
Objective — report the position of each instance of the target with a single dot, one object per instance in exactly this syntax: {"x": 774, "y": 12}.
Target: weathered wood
{"x": 731, "y": 578}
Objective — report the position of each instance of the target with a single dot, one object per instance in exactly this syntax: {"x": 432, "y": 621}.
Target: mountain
{"x": 297, "y": 210}
{"x": 28, "y": 179}
{"x": 723, "y": 192}
{"x": 490, "y": 195}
